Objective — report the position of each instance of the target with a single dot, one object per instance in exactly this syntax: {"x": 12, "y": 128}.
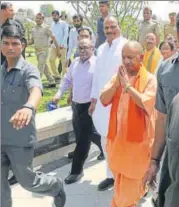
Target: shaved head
{"x": 151, "y": 35}
{"x": 131, "y": 57}
{"x": 111, "y": 19}
{"x": 85, "y": 41}
{"x": 134, "y": 45}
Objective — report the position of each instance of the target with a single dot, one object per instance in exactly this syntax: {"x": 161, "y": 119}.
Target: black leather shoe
{"x": 60, "y": 199}
{"x": 73, "y": 178}
{"x": 50, "y": 85}
{"x": 70, "y": 155}
{"x": 12, "y": 180}
{"x": 106, "y": 184}
{"x": 101, "y": 157}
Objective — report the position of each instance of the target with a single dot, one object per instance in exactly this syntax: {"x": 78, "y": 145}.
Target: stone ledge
{"x": 54, "y": 123}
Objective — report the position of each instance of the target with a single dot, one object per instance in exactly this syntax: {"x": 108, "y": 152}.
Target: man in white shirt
{"x": 60, "y": 30}
{"x": 108, "y": 61}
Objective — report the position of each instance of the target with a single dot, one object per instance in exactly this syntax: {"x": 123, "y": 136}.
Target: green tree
{"x": 46, "y": 9}
{"x": 127, "y": 13}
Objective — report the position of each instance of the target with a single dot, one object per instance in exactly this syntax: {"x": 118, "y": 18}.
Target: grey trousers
{"x": 20, "y": 159}
{"x": 172, "y": 193}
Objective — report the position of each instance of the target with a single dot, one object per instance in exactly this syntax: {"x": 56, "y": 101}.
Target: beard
{"x": 78, "y": 26}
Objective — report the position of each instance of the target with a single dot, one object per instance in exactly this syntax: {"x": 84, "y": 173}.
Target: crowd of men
{"x": 124, "y": 98}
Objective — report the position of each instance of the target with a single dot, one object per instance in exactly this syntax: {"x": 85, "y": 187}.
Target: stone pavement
{"x": 82, "y": 194}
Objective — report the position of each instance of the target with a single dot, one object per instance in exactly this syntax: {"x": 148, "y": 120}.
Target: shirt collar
{"x": 7, "y": 22}
{"x": 18, "y": 66}
{"x": 176, "y": 59}
{"x": 115, "y": 40}
{"x": 90, "y": 60}
{"x": 147, "y": 21}
{"x": 40, "y": 25}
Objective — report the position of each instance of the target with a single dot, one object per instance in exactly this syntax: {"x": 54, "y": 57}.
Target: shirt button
{"x": 1, "y": 102}
{"x": 4, "y": 91}
{"x": 12, "y": 91}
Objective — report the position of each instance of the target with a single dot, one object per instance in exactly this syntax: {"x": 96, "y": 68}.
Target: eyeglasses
{"x": 84, "y": 48}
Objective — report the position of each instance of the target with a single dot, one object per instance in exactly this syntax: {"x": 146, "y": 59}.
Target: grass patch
{"x": 48, "y": 93}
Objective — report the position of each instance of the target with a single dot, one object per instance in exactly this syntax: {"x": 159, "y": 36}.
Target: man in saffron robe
{"x": 152, "y": 55}
{"x": 131, "y": 128}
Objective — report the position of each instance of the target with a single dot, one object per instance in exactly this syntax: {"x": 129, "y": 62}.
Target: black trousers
{"x": 83, "y": 129}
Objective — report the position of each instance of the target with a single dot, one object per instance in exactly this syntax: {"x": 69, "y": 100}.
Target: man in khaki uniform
{"x": 148, "y": 26}
{"x": 171, "y": 27}
{"x": 40, "y": 38}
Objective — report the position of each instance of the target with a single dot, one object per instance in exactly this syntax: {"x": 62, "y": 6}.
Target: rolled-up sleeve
{"x": 32, "y": 78}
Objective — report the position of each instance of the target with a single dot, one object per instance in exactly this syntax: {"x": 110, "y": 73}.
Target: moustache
{"x": 109, "y": 33}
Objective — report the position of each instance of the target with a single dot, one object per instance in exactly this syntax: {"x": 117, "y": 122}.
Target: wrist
{"x": 93, "y": 101}
{"x": 29, "y": 106}
{"x": 127, "y": 86}
{"x": 154, "y": 161}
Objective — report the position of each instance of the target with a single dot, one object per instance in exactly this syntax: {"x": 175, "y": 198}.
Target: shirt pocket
{"x": 14, "y": 93}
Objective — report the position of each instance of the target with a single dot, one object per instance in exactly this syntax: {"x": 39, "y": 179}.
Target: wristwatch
{"x": 29, "y": 106}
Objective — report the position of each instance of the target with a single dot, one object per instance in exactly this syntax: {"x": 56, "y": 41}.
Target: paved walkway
{"x": 81, "y": 194}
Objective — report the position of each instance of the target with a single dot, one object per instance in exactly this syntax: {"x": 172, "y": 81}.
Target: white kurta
{"x": 109, "y": 58}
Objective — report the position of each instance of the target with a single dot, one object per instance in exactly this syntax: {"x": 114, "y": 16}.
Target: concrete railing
{"x": 54, "y": 123}
{"x": 55, "y": 136}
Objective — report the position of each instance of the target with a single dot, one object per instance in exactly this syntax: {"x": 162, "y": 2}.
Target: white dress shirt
{"x": 109, "y": 58}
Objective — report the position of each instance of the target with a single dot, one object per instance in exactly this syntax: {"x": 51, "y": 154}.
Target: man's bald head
{"x": 131, "y": 56}
{"x": 111, "y": 19}
{"x": 151, "y": 41}
{"x": 134, "y": 45}
{"x": 111, "y": 29}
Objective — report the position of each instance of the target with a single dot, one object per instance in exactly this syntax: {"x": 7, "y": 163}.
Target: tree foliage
{"x": 46, "y": 9}
{"x": 127, "y": 13}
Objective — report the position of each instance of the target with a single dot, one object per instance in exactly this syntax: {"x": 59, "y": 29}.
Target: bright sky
{"x": 160, "y": 8}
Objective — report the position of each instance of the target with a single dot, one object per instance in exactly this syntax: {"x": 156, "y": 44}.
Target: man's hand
{"x": 92, "y": 107}
{"x": 21, "y": 118}
{"x": 123, "y": 76}
{"x": 69, "y": 99}
{"x": 67, "y": 63}
{"x": 59, "y": 52}
{"x": 55, "y": 100}
{"x": 149, "y": 179}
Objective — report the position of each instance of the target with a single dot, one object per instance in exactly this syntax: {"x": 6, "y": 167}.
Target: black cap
{"x": 56, "y": 12}
{"x": 172, "y": 14}
{"x": 103, "y": 1}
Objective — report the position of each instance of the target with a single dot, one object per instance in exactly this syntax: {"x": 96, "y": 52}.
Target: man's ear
{"x": 23, "y": 46}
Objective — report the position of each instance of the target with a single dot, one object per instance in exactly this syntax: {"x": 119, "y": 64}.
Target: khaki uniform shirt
{"x": 146, "y": 27}
{"x": 170, "y": 29}
{"x": 41, "y": 35}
